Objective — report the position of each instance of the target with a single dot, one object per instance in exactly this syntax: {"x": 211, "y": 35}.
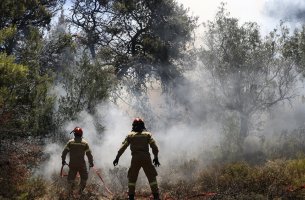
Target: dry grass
{"x": 274, "y": 179}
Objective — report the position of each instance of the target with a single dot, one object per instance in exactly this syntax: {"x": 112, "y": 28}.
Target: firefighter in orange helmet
{"x": 77, "y": 148}
{"x": 139, "y": 140}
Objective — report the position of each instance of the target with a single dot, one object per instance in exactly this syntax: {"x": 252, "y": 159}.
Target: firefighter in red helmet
{"x": 139, "y": 140}
{"x": 77, "y": 148}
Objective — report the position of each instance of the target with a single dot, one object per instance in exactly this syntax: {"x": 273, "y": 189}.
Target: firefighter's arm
{"x": 153, "y": 146}
{"x": 89, "y": 156}
{"x": 124, "y": 146}
{"x": 64, "y": 153}
{"x": 155, "y": 150}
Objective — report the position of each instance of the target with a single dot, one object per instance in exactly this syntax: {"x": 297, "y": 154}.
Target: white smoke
{"x": 189, "y": 130}
{"x": 286, "y": 117}
{"x": 287, "y": 10}
{"x": 104, "y": 146}
{"x": 178, "y": 140}
{"x": 53, "y": 164}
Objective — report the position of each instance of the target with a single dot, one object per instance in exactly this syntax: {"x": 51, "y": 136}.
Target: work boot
{"x": 131, "y": 197}
{"x": 156, "y": 196}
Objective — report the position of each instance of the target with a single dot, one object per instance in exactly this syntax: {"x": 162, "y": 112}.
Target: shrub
{"x": 271, "y": 180}
{"x": 34, "y": 188}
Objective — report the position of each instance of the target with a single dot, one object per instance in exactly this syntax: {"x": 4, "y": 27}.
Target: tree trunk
{"x": 92, "y": 50}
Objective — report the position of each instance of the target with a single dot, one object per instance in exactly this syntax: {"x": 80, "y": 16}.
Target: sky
{"x": 267, "y": 13}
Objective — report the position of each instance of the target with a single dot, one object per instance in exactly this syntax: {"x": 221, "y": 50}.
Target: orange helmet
{"x": 78, "y": 132}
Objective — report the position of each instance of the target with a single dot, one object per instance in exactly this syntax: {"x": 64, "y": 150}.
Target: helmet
{"x": 137, "y": 121}
{"x": 78, "y": 132}
{"x": 138, "y": 125}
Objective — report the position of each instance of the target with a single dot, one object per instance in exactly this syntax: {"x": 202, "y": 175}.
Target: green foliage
{"x": 7, "y": 33}
{"x": 30, "y": 112}
{"x": 26, "y": 107}
{"x": 143, "y": 38}
{"x": 13, "y": 78}
{"x": 58, "y": 53}
{"x": 86, "y": 84}
{"x": 294, "y": 48}
{"x": 250, "y": 73}
{"x": 23, "y": 14}
{"x": 38, "y": 101}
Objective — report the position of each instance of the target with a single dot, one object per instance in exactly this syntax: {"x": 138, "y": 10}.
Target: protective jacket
{"x": 139, "y": 144}
{"x": 77, "y": 147}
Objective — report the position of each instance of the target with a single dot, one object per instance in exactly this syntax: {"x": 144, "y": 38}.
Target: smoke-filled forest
{"x": 223, "y": 99}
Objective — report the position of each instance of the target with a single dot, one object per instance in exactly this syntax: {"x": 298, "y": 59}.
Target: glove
{"x": 63, "y": 162}
{"x": 156, "y": 162}
{"x": 116, "y": 161}
{"x": 91, "y": 165}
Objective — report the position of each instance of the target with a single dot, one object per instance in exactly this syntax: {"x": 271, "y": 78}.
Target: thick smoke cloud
{"x": 287, "y": 10}
{"x": 188, "y": 128}
{"x": 183, "y": 132}
{"x": 179, "y": 142}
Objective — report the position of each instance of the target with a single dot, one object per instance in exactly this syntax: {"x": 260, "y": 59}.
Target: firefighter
{"x": 77, "y": 147}
{"x": 139, "y": 140}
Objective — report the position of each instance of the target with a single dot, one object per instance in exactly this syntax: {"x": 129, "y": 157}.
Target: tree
{"x": 37, "y": 102}
{"x": 22, "y": 91}
{"x": 250, "y": 73}
{"x": 294, "y": 48}
{"x": 23, "y": 25}
{"x": 59, "y": 50}
{"x": 21, "y": 34}
{"x": 22, "y": 15}
{"x": 139, "y": 38}
{"x": 85, "y": 85}
{"x": 12, "y": 87}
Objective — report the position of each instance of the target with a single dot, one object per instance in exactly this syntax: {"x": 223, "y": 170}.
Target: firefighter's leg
{"x": 71, "y": 179}
{"x": 151, "y": 174}
{"x": 83, "y": 178}
{"x": 133, "y": 173}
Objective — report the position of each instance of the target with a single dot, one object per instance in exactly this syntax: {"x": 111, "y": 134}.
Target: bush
{"x": 271, "y": 180}
{"x": 34, "y": 188}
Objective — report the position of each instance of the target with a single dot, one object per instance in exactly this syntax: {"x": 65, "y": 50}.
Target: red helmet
{"x": 137, "y": 121}
{"x": 78, "y": 132}
{"x": 138, "y": 125}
